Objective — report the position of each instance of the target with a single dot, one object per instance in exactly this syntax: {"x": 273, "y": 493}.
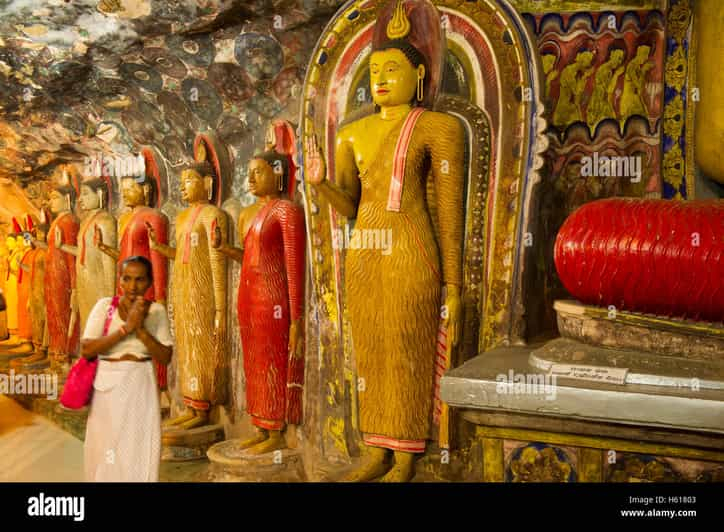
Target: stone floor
{"x": 35, "y": 449}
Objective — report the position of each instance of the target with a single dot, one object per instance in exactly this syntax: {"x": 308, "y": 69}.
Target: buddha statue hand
{"x": 216, "y": 239}
{"x": 314, "y": 167}
{"x": 97, "y": 236}
{"x": 452, "y": 314}
{"x": 152, "y": 238}
{"x": 220, "y": 331}
{"x": 296, "y": 338}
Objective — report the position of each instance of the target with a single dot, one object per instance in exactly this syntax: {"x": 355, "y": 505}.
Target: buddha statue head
{"x": 93, "y": 195}
{"x": 63, "y": 196}
{"x": 197, "y": 183}
{"x": 269, "y": 174}
{"x": 407, "y": 50}
{"x": 137, "y": 191}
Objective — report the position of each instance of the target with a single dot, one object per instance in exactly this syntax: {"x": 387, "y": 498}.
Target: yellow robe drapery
{"x": 394, "y": 295}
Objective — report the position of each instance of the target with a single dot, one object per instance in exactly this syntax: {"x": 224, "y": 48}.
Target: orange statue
{"x": 17, "y": 290}
{"x": 34, "y": 268}
{"x": 382, "y": 164}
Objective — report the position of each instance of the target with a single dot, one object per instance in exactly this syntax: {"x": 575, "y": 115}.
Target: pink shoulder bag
{"x": 78, "y": 388}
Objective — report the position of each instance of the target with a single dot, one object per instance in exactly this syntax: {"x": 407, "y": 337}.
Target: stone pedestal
{"x": 230, "y": 463}
{"x": 8, "y": 354}
{"x": 181, "y": 445}
{"x": 533, "y": 428}
{"x": 620, "y": 397}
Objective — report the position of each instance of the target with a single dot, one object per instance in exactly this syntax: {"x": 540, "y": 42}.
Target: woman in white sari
{"x": 123, "y": 432}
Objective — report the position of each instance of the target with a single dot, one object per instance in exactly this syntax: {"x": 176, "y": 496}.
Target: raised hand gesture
{"x": 314, "y": 167}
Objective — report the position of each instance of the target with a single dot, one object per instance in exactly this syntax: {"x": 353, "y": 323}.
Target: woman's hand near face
{"x": 137, "y": 314}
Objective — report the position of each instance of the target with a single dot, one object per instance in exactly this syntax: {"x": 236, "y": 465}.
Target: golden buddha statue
{"x": 382, "y": 165}
{"x": 199, "y": 297}
{"x": 4, "y": 334}
{"x": 10, "y": 284}
{"x": 17, "y": 287}
{"x": 95, "y": 270}
{"x": 35, "y": 269}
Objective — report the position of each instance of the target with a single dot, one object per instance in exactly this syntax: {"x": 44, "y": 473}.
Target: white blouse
{"x": 156, "y": 324}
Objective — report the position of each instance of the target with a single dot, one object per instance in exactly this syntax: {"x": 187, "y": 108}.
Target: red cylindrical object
{"x": 660, "y": 257}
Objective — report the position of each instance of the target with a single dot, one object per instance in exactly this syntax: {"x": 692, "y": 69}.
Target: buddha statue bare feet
{"x": 260, "y": 436}
{"x": 188, "y": 415}
{"x": 273, "y": 442}
{"x": 201, "y": 418}
{"x": 373, "y": 467}
{"x": 403, "y": 470}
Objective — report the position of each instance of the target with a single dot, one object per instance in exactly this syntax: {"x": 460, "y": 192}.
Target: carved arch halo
{"x": 208, "y": 147}
{"x": 492, "y": 42}
{"x": 155, "y": 168}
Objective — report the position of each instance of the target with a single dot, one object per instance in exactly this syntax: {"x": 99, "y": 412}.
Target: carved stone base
{"x": 8, "y": 356}
{"x": 642, "y": 368}
{"x": 230, "y": 463}
{"x": 641, "y": 332}
{"x": 181, "y": 445}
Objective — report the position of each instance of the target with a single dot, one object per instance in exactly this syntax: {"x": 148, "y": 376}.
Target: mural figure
{"x": 572, "y": 90}
{"x": 604, "y": 89}
{"x": 634, "y": 84}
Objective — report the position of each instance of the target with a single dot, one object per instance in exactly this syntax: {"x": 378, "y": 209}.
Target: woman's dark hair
{"x": 142, "y": 260}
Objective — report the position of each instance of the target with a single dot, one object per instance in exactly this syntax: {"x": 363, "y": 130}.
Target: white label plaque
{"x": 590, "y": 373}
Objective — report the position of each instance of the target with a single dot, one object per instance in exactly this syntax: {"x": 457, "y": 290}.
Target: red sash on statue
{"x": 394, "y": 197}
{"x": 187, "y": 240}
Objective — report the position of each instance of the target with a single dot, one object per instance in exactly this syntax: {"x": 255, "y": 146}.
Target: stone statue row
{"x": 77, "y": 264}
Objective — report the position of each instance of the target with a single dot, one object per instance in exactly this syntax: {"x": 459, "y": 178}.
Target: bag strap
{"x": 109, "y": 316}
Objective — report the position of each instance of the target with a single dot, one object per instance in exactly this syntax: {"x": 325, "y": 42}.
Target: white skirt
{"x": 123, "y": 432}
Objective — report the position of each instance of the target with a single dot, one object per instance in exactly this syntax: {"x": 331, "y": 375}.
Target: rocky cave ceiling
{"x": 81, "y": 78}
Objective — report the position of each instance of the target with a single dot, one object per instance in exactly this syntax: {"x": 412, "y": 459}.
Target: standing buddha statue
{"x": 18, "y": 290}
{"x": 61, "y": 300}
{"x": 139, "y": 193}
{"x": 95, "y": 270}
{"x": 382, "y": 164}
{"x": 271, "y": 301}
{"x": 198, "y": 297}
{"x": 35, "y": 269}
